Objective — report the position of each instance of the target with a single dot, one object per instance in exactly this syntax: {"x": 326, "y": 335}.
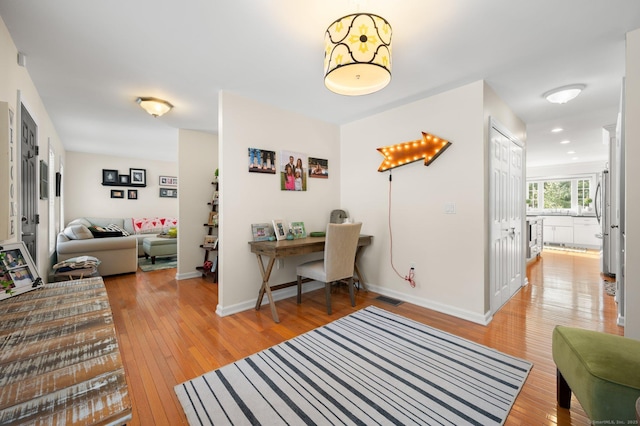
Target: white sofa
{"x": 117, "y": 255}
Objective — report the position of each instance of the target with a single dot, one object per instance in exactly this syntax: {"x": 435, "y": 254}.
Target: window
{"x": 561, "y": 193}
{"x": 557, "y": 194}
{"x": 532, "y": 195}
{"x": 583, "y": 193}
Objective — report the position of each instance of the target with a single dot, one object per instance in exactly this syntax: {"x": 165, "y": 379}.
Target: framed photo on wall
{"x": 124, "y": 179}
{"x": 262, "y": 161}
{"x": 168, "y": 193}
{"x": 138, "y": 176}
{"x": 168, "y": 181}
{"x": 132, "y": 194}
{"x": 318, "y": 168}
{"x": 293, "y": 175}
{"x": 117, "y": 193}
{"x": 109, "y": 176}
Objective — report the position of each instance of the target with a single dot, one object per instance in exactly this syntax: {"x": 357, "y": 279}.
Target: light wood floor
{"x": 168, "y": 331}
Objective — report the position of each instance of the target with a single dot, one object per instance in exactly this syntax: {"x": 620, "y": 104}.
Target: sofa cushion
{"x": 100, "y": 232}
{"x": 77, "y": 232}
{"x": 115, "y": 228}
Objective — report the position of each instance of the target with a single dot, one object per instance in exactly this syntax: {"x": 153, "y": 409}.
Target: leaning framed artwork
{"x": 18, "y": 273}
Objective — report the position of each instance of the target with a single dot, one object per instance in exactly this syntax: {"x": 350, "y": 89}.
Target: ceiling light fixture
{"x": 563, "y": 94}
{"x": 557, "y": 130}
{"x": 565, "y": 142}
{"x": 154, "y": 106}
{"x": 357, "y": 54}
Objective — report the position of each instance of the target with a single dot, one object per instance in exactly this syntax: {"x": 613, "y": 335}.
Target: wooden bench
{"x": 60, "y": 362}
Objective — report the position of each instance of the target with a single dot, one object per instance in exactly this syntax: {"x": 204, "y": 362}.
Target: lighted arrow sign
{"x": 428, "y": 149}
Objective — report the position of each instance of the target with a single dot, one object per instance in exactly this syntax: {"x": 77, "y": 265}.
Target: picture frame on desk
{"x": 17, "y": 270}
{"x": 262, "y": 232}
{"x": 280, "y": 229}
{"x": 297, "y": 228}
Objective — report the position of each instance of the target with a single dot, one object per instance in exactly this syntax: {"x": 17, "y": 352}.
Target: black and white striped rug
{"x": 371, "y": 367}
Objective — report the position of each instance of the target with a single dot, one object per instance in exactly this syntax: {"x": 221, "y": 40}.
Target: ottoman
{"x": 602, "y": 370}
{"x": 155, "y": 246}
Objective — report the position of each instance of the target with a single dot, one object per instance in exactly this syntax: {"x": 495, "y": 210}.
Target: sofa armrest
{"x": 95, "y": 244}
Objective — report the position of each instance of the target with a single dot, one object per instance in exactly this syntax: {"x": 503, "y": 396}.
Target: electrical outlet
{"x": 412, "y": 265}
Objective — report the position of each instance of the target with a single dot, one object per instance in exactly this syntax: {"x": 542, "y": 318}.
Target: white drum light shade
{"x": 357, "y": 56}
{"x": 154, "y": 106}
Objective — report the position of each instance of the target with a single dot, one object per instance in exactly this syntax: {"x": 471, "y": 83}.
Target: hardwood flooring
{"x": 168, "y": 331}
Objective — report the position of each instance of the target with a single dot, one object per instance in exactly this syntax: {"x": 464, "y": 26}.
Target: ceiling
{"x": 91, "y": 59}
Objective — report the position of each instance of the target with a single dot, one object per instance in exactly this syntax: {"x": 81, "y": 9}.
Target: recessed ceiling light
{"x": 565, "y": 142}
{"x": 557, "y": 130}
{"x": 574, "y": 158}
{"x": 563, "y": 94}
{"x": 571, "y": 152}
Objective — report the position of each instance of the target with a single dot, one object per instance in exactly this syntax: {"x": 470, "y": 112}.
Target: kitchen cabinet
{"x": 584, "y": 232}
{"x": 558, "y": 230}
{"x": 534, "y": 237}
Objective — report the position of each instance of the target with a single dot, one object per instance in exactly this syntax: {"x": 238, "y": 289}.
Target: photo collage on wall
{"x": 294, "y": 168}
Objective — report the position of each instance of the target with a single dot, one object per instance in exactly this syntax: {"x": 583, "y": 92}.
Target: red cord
{"x": 411, "y": 275}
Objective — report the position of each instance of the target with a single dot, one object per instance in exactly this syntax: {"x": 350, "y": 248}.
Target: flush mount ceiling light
{"x": 563, "y": 94}
{"x": 357, "y": 54}
{"x": 154, "y": 106}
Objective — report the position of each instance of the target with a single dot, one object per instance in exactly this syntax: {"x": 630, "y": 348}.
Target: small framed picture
{"x": 262, "y": 232}
{"x": 17, "y": 270}
{"x": 297, "y": 228}
{"x": 280, "y": 229}
{"x": 109, "y": 176}
{"x": 213, "y": 219}
{"x": 124, "y": 179}
{"x": 117, "y": 193}
{"x": 132, "y": 194}
{"x": 210, "y": 241}
{"x": 262, "y": 161}
{"x": 168, "y": 193}
{"x": 318, "y": 168}
{"x": 138, "y": 176}
{"x": 168, "y": 181}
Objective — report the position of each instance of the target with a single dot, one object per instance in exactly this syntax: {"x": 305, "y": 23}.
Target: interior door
{"x": 29, "y": 201}
{"x": 506, "y": 213}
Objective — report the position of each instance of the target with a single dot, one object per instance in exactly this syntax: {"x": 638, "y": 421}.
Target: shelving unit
{"x": 211, "y": 251}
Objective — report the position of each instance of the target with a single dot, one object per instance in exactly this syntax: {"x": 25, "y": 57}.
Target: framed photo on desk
{"x": 280, "y": 229}
{"x": 298, "y": 230}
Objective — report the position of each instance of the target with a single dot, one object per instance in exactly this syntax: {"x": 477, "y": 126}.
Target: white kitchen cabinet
{"x": 558, "y": 230}
{"x": 584, "y": 232}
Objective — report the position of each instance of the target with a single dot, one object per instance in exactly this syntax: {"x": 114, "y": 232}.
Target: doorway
{"x": 506, "y": 199}
{"x": 29, "y": 184}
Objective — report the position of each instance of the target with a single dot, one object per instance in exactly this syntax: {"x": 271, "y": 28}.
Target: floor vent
{"x": 389, "y": 300}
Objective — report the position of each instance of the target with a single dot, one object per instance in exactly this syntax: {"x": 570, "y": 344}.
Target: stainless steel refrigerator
{"x": 603, "y": 214}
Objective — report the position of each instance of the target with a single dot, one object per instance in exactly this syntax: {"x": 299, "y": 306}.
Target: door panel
{"x": 507, "y": 208}
{"x": 29, "y": 201}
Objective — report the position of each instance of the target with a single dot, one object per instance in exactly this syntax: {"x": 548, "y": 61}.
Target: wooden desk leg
{"x": 357, "y": 270}
{"x": 265, "y": 287}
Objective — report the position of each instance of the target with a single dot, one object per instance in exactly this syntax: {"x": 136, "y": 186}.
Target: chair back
{"x": 340, "y": 250}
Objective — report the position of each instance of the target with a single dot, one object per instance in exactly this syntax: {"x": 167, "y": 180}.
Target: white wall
{"x": 16, "y": 87}
{"x": 247, "y": 198}
{"x": 632, "y": 146}
{"x": 447, "y": 249}
{"x": 565, "y": 169}
{"x": 86, "y": 196}
{"x": 197, "y": 162}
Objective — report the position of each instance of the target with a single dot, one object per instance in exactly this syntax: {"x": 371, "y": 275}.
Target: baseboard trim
{"x": 186, "y": 276}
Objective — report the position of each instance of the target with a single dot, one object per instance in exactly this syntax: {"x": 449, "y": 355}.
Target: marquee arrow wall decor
{"x": 428, "y": 149}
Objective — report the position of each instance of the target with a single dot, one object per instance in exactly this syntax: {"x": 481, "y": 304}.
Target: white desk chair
{"x": 339, "y": 258}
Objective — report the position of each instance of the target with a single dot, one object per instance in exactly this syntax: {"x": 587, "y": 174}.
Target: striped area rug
{"x": 371, "y": 367}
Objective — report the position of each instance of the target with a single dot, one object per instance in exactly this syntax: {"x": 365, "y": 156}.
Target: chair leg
{"x": 299, "y": 289}
{"x": 563, "y": 391}
{"x": 351, "y": 292}
{"x": 327, "y": 291}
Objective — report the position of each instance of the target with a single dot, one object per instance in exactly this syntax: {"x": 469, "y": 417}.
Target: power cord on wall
{"x": 411, "y": 275}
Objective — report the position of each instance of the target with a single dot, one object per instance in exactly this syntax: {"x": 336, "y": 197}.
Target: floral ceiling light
{"x": 357, "y": 56}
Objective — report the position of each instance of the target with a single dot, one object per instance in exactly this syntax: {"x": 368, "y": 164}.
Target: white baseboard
{"x": 277, "y": 295}
{"x": 194, "y": 274}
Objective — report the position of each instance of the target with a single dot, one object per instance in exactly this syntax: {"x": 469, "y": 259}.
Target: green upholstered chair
{"x": 602, "y": 370}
